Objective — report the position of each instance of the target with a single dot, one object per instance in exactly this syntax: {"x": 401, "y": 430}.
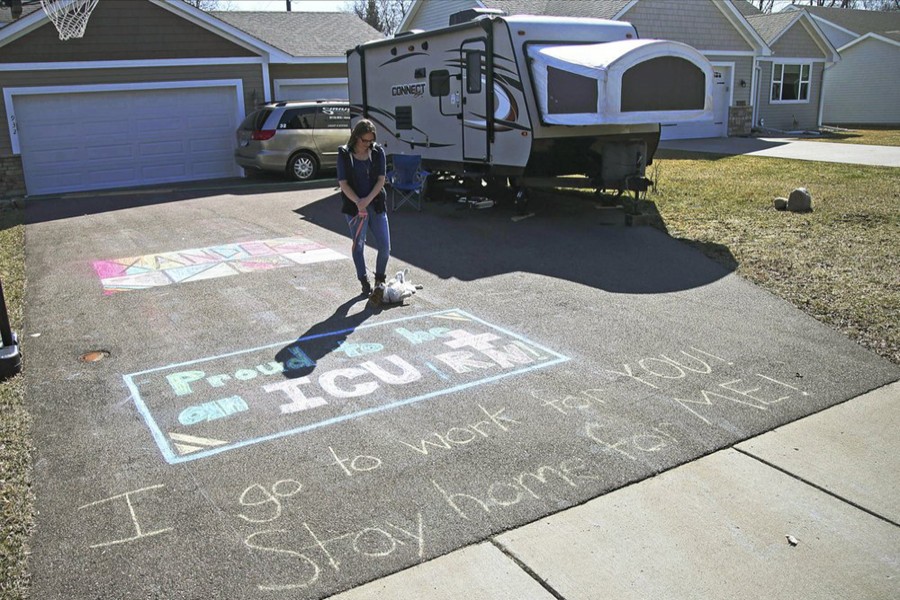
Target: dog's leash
{"x": 359, "y": 222}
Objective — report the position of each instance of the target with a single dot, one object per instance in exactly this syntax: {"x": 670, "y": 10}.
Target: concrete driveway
{"x": 798, "y": 149}
{"x": 252, "y": 430}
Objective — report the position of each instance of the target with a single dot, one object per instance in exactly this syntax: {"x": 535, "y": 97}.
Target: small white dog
{"x": 399, "y": 288}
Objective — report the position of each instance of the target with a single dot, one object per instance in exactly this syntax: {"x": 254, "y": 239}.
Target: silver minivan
{"x": 296, "y": 138}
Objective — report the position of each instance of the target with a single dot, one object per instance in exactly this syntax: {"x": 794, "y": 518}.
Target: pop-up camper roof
{"x": 621, "y": 82}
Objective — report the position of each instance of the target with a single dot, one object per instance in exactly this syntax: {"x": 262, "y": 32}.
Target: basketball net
{"x": 69, "y": 16}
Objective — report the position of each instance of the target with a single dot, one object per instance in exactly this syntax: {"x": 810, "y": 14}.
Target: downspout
{"x": 754, "y": 94}
{"x": 822, "y": 93}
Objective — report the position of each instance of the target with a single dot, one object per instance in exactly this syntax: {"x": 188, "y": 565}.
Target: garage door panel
{"x": 203, "y": 170}
{"x": 162, "y": 149}
{"x": 61, "y": 158}
{"x": 123, "y": 152}
{"x": 111, "y": 176}
{"x": 160, "y": 173}
{"x": 95, "y": 140}
{"x": 205, "y": 122}
{"x": 99, "y": 130}
{"x": 205, "y": 162}
{"x": 207, "y": 145}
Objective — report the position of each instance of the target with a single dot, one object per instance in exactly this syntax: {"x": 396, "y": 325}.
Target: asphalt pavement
{"x": 565, "y": 409}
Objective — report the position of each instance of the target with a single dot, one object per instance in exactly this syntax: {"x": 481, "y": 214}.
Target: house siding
{"x": 433, "y": 15}
{"x": 250, "y": 74}
{"x": 797, "y": 43}
{"x": 123, "y": 30}
{"x": 696, "y": 22}
{"x": 869, "y": 66}
{"x": 791, "y": 116}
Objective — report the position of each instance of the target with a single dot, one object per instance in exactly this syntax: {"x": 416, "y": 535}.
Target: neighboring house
{"x": 154, "y": 91}
{"x": 864, "y": 87}
{"x": 744, "y": 50}
{"x": 790, "y": 81}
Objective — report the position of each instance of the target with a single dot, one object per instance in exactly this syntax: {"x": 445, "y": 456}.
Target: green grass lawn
{"x": 15, "y": 443}
{"x": 839, "y": 263}
{"x": 870, "y": 136}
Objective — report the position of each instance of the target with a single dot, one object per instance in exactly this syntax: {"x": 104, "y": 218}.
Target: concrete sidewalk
{"x": 798, "y": 149}
{"x": 809, "y": 510}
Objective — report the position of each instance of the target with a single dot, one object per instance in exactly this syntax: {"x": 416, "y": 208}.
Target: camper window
{"x": 439, "y": 83}
{"x": 473, "y": 72}
{"x": 570, "y": 93}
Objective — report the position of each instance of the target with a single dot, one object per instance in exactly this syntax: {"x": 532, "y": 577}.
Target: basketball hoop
{"x": 69, "y": 16}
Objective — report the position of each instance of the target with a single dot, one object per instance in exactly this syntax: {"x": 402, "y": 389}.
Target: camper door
{"x": 474, "y": 100}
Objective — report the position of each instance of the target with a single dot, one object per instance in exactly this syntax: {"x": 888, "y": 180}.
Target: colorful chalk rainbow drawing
{"x": 196, "y": 264}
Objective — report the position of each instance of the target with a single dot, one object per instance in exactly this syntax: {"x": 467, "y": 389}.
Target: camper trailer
{"x": 529, "y": 100}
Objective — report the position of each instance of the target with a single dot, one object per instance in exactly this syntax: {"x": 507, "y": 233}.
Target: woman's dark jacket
{"x": 349, "y": 207}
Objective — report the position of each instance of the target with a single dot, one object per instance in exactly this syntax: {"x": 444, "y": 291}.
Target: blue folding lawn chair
{"x": 407, "y": 181}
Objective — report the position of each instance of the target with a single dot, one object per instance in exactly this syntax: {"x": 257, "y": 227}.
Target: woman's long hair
{"x": 362, "y": 127}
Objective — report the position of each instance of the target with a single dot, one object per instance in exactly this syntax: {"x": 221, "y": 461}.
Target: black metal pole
{"x": 10, "y": 356}
{"x": 5, "y": 330}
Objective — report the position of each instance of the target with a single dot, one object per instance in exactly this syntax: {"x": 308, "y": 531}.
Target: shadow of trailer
{"x": 526, "y": 101}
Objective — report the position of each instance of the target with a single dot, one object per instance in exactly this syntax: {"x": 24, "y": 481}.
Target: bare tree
{"x": 764, "y": 5}
{"x": 886, "y": 5}
{"x": 879, "y": 5}
{"x": 383, "y": 15}
{"x": 832, "y": 3}
{"x": 208, "y": 5}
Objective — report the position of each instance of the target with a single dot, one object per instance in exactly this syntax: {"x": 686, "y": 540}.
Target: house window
{"x": 790, "y": 83}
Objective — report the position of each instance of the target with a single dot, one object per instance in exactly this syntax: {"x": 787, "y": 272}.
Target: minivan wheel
{"x": 302, "y": 166}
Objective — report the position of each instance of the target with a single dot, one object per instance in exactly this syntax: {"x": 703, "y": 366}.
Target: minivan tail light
{"x": 262, "y": 134}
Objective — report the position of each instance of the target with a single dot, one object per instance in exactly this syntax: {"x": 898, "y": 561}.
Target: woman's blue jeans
{"x": 377, "y": 225}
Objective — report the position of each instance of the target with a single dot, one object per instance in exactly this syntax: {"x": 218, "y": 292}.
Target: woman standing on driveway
{"x": 360, "y": 174}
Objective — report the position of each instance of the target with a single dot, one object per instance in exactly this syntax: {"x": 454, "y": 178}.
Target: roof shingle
{"x": 303, "y": 34}
{"x": 860, "y": 22}
{"x": 598, "y": 9}
{"x": 771, "y": 26}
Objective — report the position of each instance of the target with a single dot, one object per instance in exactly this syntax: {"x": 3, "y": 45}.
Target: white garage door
{"x": 328, "y": 89}
{"x": 106, "y": 139}
{"x": 718, "y": 127}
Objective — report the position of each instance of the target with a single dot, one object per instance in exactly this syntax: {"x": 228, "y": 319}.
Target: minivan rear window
{"x": 298, "y": 118}
{"x": 256, "y": 119}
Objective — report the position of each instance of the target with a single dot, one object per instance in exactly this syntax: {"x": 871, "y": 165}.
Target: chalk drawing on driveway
{"x": 197, "y": 264}
{"x": 198, "y": 408}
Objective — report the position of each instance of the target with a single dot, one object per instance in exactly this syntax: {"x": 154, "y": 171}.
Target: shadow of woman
{"x": 301, "y": 356}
